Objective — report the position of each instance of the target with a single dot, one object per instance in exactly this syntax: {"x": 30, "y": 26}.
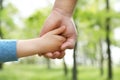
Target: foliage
{"x": 8, "y": 25}
{"x": 34, "y": 23}
{"x": 90, "y": 20}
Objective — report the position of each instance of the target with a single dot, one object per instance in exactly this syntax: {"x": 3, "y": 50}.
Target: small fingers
{"x": 61, "y": 55}
{"x": 58, "y": 55}
{"x": 59, "y": 30}
{"x": 52, "y": 55}
{"x": 48, "y": 55}
{"x": 55, "y": 55}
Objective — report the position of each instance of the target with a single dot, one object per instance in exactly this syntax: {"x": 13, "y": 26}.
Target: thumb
{"x": 59, "y": 30}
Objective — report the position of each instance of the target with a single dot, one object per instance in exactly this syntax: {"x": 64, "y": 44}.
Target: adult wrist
{"x": 62, "y": 12}
{"x": 65, "y": 7}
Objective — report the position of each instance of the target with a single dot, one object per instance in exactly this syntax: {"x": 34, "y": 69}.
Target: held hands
{"x": 55, "y": 20}
{"x": 52, "y": 40}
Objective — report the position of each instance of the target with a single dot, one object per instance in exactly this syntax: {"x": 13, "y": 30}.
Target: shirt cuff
{"x": 8, "y": 50}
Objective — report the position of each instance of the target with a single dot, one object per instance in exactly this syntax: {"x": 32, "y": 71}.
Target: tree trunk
{"x": 75, "y": 64}
{"x": 65, "y": 67}
{"x": 108, "y": 43}
{"x": 101, "y": 59}
{"x": 48, "y": 63}
{"x": 1, "y": 35}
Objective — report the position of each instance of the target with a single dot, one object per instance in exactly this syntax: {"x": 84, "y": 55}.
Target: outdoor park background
{"x": 96, "y": 55}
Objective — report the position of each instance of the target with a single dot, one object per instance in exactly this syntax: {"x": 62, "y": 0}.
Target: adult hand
{"x": 57, "y": 19}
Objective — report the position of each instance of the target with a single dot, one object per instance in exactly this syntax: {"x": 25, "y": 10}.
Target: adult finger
{"x": 68, "y": 44}
{"x": 51, "y": 24}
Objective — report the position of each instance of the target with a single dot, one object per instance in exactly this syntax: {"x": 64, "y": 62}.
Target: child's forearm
{"x": 11, "y": 50}
{"x": 26, "y": 48}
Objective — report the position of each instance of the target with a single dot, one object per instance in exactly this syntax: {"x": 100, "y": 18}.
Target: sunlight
{"x": 27, "y": 7}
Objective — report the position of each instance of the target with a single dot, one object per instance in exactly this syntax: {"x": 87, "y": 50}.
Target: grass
{"x": 30, "y": 72}
{"x": 36, "y": 72}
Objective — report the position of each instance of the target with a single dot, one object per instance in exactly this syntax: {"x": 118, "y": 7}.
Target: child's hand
{"x": 52, "y": 40}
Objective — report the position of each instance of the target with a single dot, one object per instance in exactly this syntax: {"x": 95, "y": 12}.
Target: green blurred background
{"x": 97, "y": 52}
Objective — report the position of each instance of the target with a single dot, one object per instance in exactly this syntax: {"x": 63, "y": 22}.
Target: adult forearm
{"x": 66, "y": 7}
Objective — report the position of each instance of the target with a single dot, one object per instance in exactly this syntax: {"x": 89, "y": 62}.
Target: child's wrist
{"x": 37, "y": 46}
{"x": 25, "y": 48}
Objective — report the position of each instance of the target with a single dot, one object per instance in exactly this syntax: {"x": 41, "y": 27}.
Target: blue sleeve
{"x": 8, "y": 50}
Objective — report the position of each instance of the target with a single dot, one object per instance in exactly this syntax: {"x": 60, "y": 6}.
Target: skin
{"x": 49, "y": 42}
{"x": 61, "y": 15}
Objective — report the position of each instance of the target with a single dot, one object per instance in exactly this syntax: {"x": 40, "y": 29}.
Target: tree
{"x": 101, "y": 58}
{"x": 1, "y": 34}
{"x": 74, "y": 73}
{"x": 65, "y": 67}
{"x": 1, "y": 7}
{"x": 96, "y": 25}
{"x": 108, "y": 42}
